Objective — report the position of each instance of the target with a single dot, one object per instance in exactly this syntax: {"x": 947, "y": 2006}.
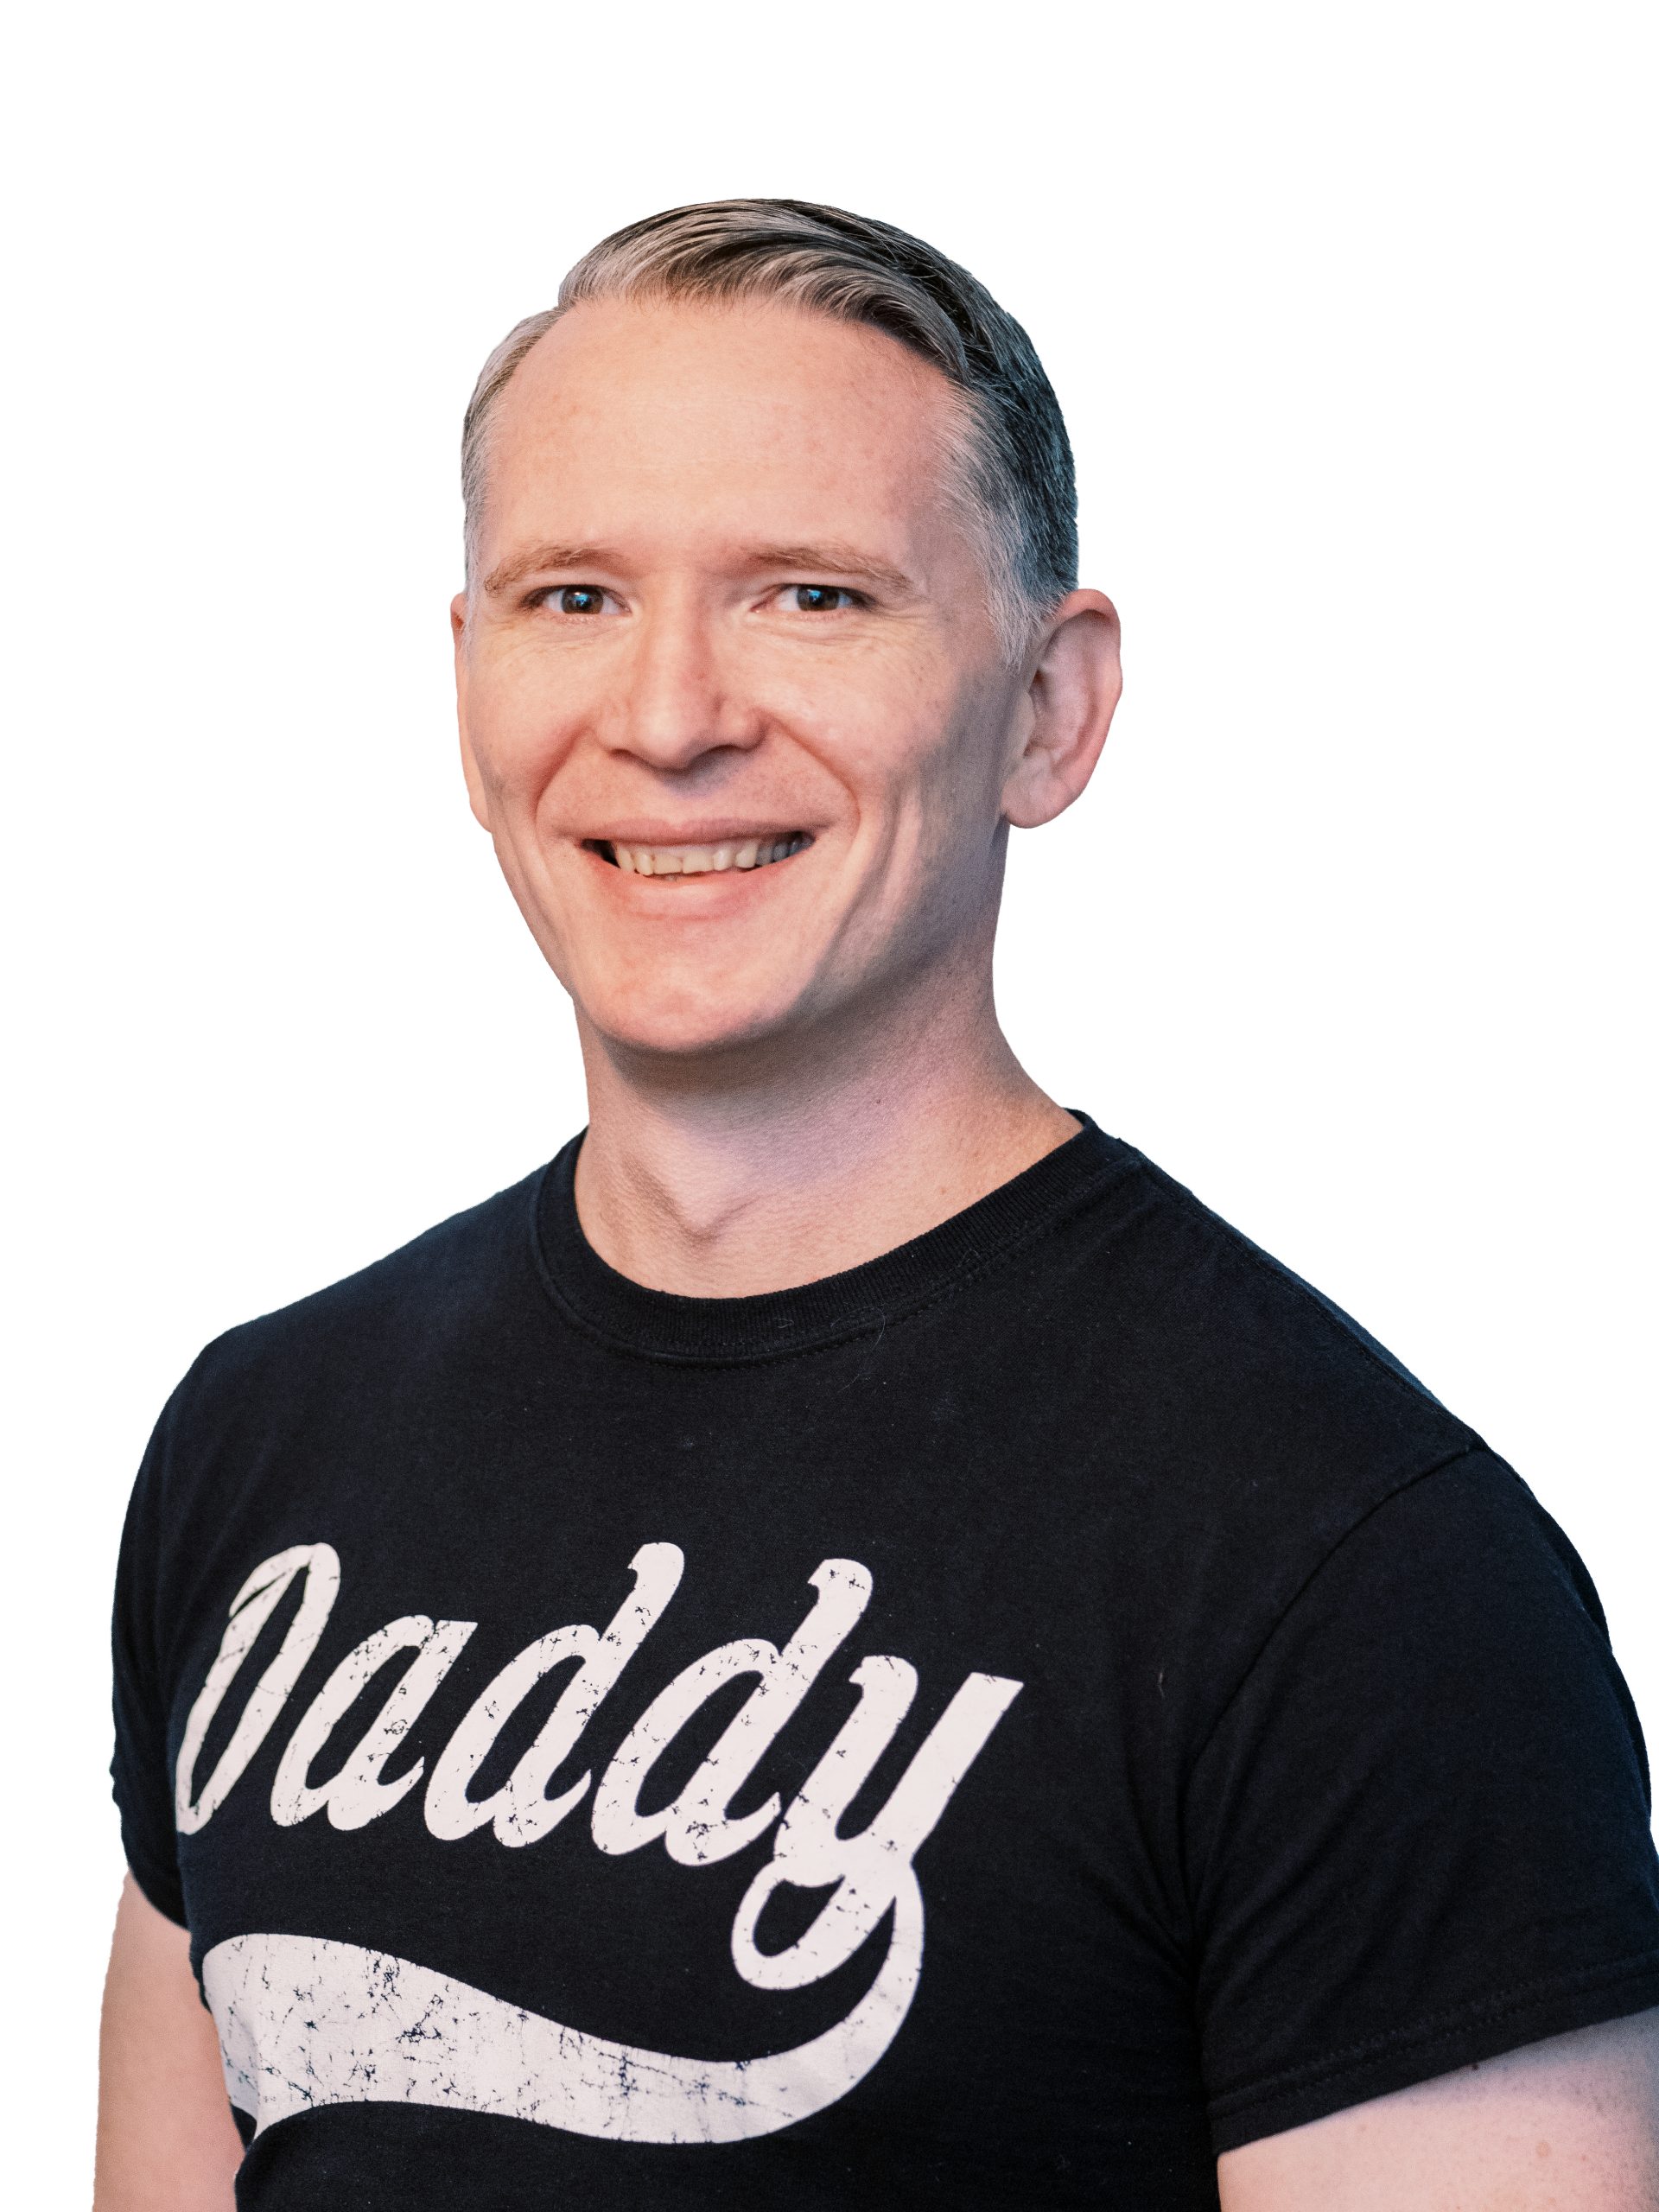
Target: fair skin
{"x": 166, "y": 2141}
{"x": 723, "y": 605}
{"x": 763, "y": 1046}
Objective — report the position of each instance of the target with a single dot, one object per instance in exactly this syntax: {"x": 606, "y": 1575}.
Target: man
{"x": 845, "y": 1643}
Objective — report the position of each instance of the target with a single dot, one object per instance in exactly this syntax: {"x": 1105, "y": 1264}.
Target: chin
{"x": 688, "y": 1026}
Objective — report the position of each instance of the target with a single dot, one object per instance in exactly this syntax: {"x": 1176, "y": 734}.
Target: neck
{"x": 782, "y": 1165}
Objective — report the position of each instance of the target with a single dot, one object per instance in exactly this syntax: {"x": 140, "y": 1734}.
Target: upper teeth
{"x": 706, "y": 860}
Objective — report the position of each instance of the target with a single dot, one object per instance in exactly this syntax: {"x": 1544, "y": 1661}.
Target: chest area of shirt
{"x": 583, "y": 1812}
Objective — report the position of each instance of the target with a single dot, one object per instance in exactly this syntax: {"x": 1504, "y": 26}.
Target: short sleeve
{"x": 144, "y": 1793}
{"x": 1419, "y": 1834}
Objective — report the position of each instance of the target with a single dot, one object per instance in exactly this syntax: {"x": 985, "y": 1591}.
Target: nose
{"x": 681, "y": 702}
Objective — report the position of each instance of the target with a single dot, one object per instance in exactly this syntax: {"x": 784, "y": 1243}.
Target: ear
{"x": 469, "y": 759}
{"x": 1076, "y": 681}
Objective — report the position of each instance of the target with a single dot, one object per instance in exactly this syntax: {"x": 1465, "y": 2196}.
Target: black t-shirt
{"x": 1181, "y": 1727}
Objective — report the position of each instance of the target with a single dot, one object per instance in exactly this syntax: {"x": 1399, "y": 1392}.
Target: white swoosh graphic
{"x": 304, "y": 2021}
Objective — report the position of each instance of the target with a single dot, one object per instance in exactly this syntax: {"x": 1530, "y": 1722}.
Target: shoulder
{"x": 1234, "y": 1425}
{"x": 1217, "y": 1330}
{"x": 440, "y": 1299}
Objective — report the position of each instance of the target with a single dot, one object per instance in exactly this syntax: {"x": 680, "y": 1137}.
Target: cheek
{"x": 521, "y": 732}
{"x": 892, "y": 734}
{"x": 945, "y": 779}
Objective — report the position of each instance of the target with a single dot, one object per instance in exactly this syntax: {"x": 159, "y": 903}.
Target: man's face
{"x": 732, "y": 702}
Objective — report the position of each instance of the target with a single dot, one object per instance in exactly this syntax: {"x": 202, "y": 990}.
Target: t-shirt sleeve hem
{"x": 163, "y": 1891}
{"x": 1504, "y": 2022}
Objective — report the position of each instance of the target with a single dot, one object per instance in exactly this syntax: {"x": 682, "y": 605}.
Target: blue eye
{"x": 581, "y": 599}
{"x": 822, "y": 598}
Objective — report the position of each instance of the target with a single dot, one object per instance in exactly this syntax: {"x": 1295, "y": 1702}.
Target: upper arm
{"x": 1572, "y": 2121}
{"x": 166, "y": 2141}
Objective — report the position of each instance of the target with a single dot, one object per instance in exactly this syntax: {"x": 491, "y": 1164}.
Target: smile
{"x": 699, "y": 860}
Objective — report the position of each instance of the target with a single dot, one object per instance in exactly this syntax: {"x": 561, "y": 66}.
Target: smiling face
{"x": 733, "y": 703}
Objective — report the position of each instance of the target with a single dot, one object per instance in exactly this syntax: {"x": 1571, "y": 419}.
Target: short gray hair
{"x": 1018, "y": 483}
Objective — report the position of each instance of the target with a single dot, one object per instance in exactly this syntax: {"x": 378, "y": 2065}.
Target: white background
{"x": 1350, "y": 310}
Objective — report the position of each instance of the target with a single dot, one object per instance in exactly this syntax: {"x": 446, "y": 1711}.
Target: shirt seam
{"x": 1406, "y": 1482}
{"x": 1471, "y": 2012}
{"x": 1263, "y": 1263}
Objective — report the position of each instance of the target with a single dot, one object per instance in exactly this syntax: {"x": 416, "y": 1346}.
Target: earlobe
{"x": 1073, "y": 694}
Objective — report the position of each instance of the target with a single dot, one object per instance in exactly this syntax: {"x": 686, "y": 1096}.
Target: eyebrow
{"x": 517, "y": 566}
{"x": 832, "y": 557}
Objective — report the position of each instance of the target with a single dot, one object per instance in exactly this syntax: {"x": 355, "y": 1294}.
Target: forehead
{"x": 660, "y": 419}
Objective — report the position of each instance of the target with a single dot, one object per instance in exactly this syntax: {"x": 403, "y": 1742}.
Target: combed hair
{"x": 1017, "y": 481}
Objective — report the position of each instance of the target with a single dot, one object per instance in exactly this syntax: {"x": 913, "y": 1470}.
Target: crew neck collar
{"x": 774, "y": 1324}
